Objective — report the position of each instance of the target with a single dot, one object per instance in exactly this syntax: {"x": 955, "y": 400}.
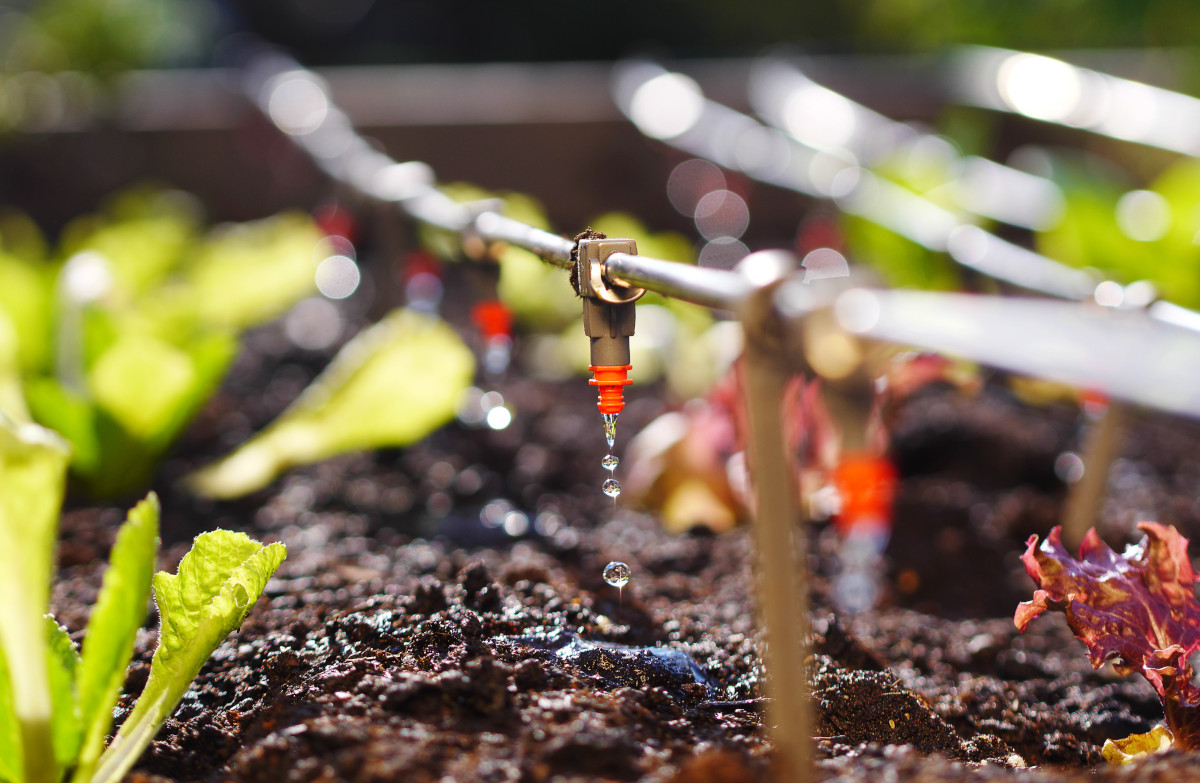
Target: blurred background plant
{"x": 102, "y": 38}
{"x": 119, "y": 336}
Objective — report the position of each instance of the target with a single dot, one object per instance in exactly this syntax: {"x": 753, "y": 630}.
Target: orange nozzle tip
{"x": 609, "y": 380}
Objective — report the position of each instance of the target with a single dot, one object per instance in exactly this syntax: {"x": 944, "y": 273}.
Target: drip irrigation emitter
{"x": 608, "y": 318}
{"x": 789, "y": 326}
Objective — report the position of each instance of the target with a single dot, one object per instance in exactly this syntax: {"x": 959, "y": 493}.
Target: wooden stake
{"x": 783, "y": 586}
{"x": 1101, "y": 447}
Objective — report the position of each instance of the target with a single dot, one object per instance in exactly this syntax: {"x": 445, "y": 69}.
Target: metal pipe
{"x": 494, "y": 227}
{"x": 1087, "y": 347}
{"x": 1052, "y": 90}
{"x": 741, "y": 143}
{"x": 716, "y": 288}
{"x": 788, "y": 99}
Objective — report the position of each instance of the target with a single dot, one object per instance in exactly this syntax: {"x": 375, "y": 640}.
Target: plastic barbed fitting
{"x": 610, "y": 381}
{"x": 608, "y": 319}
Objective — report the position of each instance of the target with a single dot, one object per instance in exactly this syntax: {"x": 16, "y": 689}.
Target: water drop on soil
{"x": 610, "y": 462}
{"x": 617, "y": 574}
{"x": 611, "y": 487}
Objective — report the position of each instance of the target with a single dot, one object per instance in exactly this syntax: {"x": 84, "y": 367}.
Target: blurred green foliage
{"x": 922, "y": 25}
{"x": 928, "y": 171}
{"x": 1104, "y": 228}
{"x": 118, "y": 337}
{"x": 101, "y": 37}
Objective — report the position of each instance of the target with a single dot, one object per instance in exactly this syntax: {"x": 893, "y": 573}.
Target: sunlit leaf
{"x": 143, "y": 237}
{"x": 390, "y": 386}
{"x": 140, "y": 381}
{"x": 62, "y": 665}
{"x": 70, "y": 414}
{"x": 12, "y": 400}
{"x": 1136, "y": 611}
{"x": 11, "y": 758}
{"x": 119, "y": 612}
{"x": 25, "y": 298}
{"x": 33, "y": 463}
{"x": 249, "y": 273}
{"x": 217, "y": 584}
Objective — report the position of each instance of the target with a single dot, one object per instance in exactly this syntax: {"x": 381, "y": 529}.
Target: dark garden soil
{"x": 405, "y": 639}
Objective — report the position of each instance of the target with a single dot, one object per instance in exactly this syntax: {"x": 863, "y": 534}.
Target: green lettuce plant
{"x": 124, "y": 333}
{"x": 56, "y": 701}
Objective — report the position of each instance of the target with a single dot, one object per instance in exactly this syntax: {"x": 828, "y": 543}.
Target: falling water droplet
{"x": 617, "y": 574}
{"x": 610, "y": 462}
{"x": 611, "y": 487}
{"x": 610, "y": 428}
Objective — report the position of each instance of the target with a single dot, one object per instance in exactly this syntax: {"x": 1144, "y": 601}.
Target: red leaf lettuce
{"x": 1137, "y": 610}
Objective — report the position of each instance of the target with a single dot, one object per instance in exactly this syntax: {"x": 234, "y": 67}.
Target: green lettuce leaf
{"x": 33, "y": 463}
{"x": 10, "y": 730}
{"x": 12, "y": 399}
{"x": 217, "y": 584}
{"x": 391, "y": 385}
{"x": 62, "y": 665}
{"x": 249, "y": 273}
{"x": 119, "y": 612}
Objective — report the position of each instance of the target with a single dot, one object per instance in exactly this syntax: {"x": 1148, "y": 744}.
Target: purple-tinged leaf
{"x": 1137, "y": 610}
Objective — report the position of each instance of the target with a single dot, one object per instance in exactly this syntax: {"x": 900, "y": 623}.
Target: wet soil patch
{"x": 408, "y": 636}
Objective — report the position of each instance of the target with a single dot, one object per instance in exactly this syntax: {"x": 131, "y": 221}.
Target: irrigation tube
{"x": 823, "y": 119}
{"x": 741, "y": 143}
{"x": 738, "y": 142}
{"x": 1052, "y": 90}
{"x": 297, "y": 101}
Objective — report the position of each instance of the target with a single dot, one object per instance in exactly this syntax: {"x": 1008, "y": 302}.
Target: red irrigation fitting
{"x": 867, "y": 485}
{"x": 492, "y": 318}
{"x": 608, "y": 380}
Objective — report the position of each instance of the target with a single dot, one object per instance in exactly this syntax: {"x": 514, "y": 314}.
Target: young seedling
{"x": 56, "y": 702}
{"x": 1137, "y": 611}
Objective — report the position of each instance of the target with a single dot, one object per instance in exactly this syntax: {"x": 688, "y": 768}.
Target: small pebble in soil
{"x": 610, "y": 462}
{"x": 617, "y": 574}
{"x": 611, "y": 487}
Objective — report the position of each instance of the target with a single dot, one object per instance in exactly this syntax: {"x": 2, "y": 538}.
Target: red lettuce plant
{"x": 1137, "y": 610}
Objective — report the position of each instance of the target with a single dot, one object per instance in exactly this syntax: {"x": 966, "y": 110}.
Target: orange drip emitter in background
{"x": 494, "y": 321}
{"x": 866, "y": 486}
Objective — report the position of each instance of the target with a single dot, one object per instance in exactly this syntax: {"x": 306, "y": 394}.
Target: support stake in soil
{"x": 783, "y": 589}
{"x": 1101, "y": 447}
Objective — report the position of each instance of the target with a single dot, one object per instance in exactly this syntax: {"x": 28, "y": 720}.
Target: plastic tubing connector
{"x": 609, "y": 381}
